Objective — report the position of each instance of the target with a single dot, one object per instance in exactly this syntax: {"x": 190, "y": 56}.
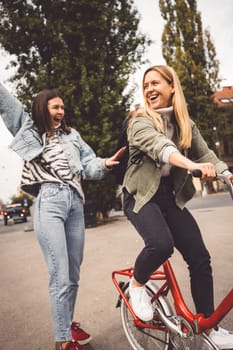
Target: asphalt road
{"x": 221, "y": 199}
{"x": 25, "y": 322}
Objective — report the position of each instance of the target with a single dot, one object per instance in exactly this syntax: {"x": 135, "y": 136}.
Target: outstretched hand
{"x": 114, "y": 160}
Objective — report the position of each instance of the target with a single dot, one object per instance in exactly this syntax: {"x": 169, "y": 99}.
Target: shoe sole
{"x": 85, "y": 341}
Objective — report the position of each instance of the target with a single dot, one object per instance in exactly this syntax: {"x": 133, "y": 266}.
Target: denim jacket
{"x": 28, "y": 144}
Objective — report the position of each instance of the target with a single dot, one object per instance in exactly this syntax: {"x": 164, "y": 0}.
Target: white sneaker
{"x": 141, "y": 302}
{"x": 222, "y": 338}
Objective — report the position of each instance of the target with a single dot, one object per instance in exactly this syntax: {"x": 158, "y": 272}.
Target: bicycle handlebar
{"x": 220, "y": 177}
{"x": 197, "y": 173}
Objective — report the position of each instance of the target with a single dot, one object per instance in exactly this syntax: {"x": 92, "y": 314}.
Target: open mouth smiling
{"x": 153, "y": 97}
{"x": 57, "y": 119}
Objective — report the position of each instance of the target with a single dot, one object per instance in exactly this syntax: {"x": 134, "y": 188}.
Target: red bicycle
{"x": 172, "y": 327}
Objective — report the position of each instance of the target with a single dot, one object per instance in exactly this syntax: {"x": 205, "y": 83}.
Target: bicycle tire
{"x": 146, "y": 339}
{"x": 203, "y": 342}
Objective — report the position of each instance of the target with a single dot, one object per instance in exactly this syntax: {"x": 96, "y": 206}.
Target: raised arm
{"x": 11, "y": 111}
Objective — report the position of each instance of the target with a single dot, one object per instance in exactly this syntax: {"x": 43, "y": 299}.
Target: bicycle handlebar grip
{"x": 197, "y": 173}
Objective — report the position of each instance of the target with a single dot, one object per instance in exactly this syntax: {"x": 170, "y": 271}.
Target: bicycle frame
{"x": 128, "y": 272}
{"x": 169, "y": 283}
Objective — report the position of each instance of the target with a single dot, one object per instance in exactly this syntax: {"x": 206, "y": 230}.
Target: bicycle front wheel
{"x": 146, "y": 338}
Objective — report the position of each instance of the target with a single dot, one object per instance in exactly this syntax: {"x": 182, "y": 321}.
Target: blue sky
{"x": 216, "y": 16}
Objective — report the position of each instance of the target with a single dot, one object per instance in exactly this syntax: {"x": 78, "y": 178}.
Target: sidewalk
{"x": 25, "y": 322}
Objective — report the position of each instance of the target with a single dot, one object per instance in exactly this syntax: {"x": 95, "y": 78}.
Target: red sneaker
{"x": 79, "y": 335}
{"x": 68, "y": 345}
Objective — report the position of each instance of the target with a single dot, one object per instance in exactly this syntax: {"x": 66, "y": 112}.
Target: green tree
{"x": 224, "y": 131}
{"x": 87, "y": 50}
{"x": 191, "y": 52}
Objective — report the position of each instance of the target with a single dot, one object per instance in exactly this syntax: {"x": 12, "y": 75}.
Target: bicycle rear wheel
{"x": 146, "y": 338}
{"x": 189, "y": 340}
{"x": 203, "y": 342}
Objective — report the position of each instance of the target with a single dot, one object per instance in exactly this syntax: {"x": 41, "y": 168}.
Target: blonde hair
{"x": 178, "y": 103}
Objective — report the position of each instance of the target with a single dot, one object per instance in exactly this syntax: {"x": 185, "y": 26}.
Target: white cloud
{"x": 10, "y": 166}
{"x": 217, "y": 17}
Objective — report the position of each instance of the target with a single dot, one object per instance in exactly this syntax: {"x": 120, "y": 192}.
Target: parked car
{"x": 16, "y": 212}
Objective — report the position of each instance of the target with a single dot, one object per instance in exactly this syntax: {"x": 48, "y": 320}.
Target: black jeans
{"x": 163, "y": 226}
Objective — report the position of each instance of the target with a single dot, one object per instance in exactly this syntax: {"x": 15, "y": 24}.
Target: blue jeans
{"x": 59, "y": 226}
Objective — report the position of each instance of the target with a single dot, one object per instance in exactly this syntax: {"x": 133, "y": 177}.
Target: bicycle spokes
{"x": 185, "y": 339}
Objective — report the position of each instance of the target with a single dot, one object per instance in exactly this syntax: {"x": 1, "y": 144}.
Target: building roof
{"x": 224, "y": 97}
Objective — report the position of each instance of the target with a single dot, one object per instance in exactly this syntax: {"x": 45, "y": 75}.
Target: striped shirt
{"x": 50, "y": 166}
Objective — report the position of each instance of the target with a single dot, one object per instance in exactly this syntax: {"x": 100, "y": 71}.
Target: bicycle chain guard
{"x": 185, "y": 339}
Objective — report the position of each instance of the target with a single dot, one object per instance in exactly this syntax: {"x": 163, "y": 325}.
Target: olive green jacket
{"x": 142, "y": 177}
